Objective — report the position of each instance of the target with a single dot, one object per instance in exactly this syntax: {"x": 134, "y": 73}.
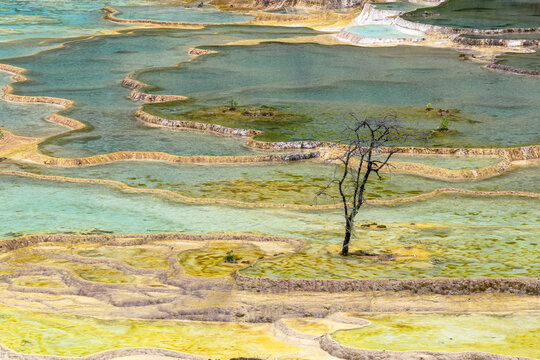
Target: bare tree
{"x": 362, "y": 156}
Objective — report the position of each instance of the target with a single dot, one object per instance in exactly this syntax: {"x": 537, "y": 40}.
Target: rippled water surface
{"x": 307, "y": 79}
{"x": 482, "y": 14}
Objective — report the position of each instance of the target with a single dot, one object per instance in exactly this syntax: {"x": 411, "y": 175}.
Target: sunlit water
{"x": 64, "y": 335}
{"x": 516, "y": 335}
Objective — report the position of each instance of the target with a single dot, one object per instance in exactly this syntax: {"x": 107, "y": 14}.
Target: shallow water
{"x": 307, "y": 79}
{"x": 180, "y": 14}
{"x": 487, "y": 236}
{"x": 378, "y": 31}
{"x": 529, "y": 61}
{"x": 414, "y": 252}
{"x": 516, "y": 335}
{"x": 23, "y": 19}
{"x": 101, "y": 100}
{"x": 293, "y": 183}
{"x": 26, "y": 119}
{"x": 41, "y": 333}
{"x": 482, "y": 14}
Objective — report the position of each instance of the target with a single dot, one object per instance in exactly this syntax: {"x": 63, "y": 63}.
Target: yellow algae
{"x": 304, "y": 326}
{"x": 39, "y": 281}
{"x": 42, "y": 333}
{"x": 211, "y": 260}
{"x": 145, "y": 257}
{"x": 517, "y": 334}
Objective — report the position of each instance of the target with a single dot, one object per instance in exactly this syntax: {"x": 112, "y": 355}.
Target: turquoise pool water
{"x": 26, "y": 119}
{"x": 180, "y": 14}
{"x": 378, "y": 31}
{"x": 97, "y": 66}
{"x": 456, "y": 234}
{"x": 30, "y": 203}
{"x": 295, "y": 183}
{"x": 481, "y": 14}
{"x": 22, "y": 19}
{"x": 309, "y": 80}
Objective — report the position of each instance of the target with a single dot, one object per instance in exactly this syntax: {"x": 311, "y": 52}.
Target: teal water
{"x": 48, "y": 206}
{"x": 180, "y": 14}
{"x": 308, "y": 79}
{"x": 22, "y": 19}
{"x": 468, "y": 235}
{"x": 97, "y": 66}
{"x": 398, "y": 5}
{"x": 296, "y": 183}
{"x": 482, "y": 14}
{"x": 529, "y": 61}
{"x": 378, "y": 31}
{"x": 26, "y": 119}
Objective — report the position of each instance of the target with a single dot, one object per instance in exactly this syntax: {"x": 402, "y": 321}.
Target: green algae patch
{"x": 145, "y": 257}
{"x": 516, "y": 335}
{"x": 223, "y": 258}
{"x": 231, "y": 115}
{"x": 50, "y": 334}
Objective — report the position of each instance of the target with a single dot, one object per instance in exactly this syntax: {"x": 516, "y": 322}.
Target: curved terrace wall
{"x": 442, "y": 286}
{"x": 339, "y": 350}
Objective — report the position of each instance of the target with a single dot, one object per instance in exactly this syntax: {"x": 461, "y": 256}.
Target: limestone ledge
{"x": 232, "y": 202}
{"x": 399, "y": 21}
{"x": 513, "y": 70}
{"x": 55, "y": 117}
{"x": 351, "y": 37}
{"x": 136, "y": 94}
{"x": 330, "y": 152}
{"x": 442, "y": 286}
{"x": 186, "y": 124}
{"x": 508, "y": 43}
{"x": 140, "y": 239}
{"x": 339, "y": 350}
{"x": 161, "y": 156}
{"x": 111, "y": 16}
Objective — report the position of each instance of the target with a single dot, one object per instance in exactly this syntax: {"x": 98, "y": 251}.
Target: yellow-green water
{"x": 50, "y": 334}
{"x": 517, "y": 335}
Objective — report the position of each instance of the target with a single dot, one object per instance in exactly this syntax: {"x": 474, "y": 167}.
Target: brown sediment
{"x": 136, "y": 94}
{"x": 508, "y": 43}
{"x": 442, "y": 286}
{"x": 232, "y": 202}
{"x": 198, "y": 52}
{"x": 111, "y": 16}
{"x": 513, "y": 69}
{"x": 339, "y": 350}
